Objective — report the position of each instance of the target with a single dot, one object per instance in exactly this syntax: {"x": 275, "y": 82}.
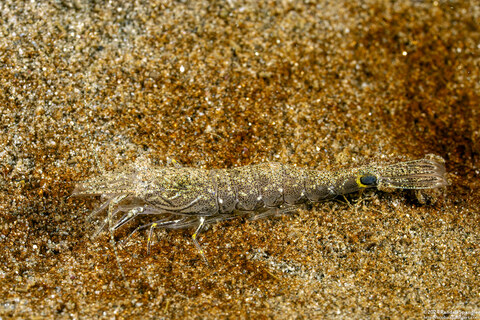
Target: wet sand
{"x": 91, "y": 86}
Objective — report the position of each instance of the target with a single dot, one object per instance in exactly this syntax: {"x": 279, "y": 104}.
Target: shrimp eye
{"x": 368, "y": 179}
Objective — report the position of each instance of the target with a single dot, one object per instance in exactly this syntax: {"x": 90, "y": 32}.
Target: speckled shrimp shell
{"x": 180, "y": 197}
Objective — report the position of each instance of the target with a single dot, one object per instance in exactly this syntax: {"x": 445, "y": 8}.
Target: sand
{"x": 90, "y": 86}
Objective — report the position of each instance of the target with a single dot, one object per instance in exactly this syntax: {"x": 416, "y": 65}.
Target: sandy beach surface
{"x": 91, "y": 86}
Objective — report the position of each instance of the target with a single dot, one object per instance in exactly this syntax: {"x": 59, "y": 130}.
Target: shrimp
{"x": 182, "y": 197}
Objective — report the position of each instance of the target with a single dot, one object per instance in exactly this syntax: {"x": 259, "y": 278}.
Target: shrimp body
{"x": 182, "y": 197}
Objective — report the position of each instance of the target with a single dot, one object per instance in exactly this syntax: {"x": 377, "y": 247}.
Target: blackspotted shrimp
{"x": 182, "y": 197}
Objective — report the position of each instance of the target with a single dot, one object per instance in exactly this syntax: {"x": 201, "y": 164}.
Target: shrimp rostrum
{"x": 181, "y": 197}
